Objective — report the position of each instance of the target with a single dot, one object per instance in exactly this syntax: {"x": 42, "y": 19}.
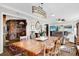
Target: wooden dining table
{"x": 33, "y": 46}
{"x": 77, "y": 50}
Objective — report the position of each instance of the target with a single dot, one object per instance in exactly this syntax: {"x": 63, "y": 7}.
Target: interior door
{"x": 77, "y": 40}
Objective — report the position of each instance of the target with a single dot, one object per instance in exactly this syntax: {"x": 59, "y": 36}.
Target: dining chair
{"x": 77, "y": 50}
{"x": 15, "y": 51}
{"x": 49, "y": 48}
{"x": 44, "y": 49}
{"x": 53, "y": 51}
{"x": 69, "y": 45}
{"x": 57, "y": 48}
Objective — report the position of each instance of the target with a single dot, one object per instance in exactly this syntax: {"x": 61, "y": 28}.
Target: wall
{"x": 71, "y": 35}
{"x": 15, "y": 13}
{"x": 1, "y": 41}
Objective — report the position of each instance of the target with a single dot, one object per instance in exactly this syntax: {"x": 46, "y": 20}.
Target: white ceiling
{"x": 68, "y": 11}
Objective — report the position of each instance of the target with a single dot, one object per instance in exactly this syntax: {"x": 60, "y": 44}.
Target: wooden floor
{"x": 7, "y": 52}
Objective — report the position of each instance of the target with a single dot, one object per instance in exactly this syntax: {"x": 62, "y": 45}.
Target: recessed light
{"x": 53, "y": 15}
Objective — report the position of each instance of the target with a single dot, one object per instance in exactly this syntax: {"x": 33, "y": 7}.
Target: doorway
{"x": 15, "y": 25}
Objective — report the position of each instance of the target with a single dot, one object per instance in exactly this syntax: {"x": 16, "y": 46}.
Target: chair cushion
{"x": 65, "y": 48}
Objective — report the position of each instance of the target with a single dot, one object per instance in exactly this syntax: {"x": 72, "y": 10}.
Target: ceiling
{"x": 68, "y": 11}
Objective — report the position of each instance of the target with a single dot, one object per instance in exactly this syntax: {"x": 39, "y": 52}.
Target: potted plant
{"x": 42, "y": 35}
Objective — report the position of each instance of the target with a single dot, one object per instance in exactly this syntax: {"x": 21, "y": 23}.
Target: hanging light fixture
{"x": 39, "y": 11}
